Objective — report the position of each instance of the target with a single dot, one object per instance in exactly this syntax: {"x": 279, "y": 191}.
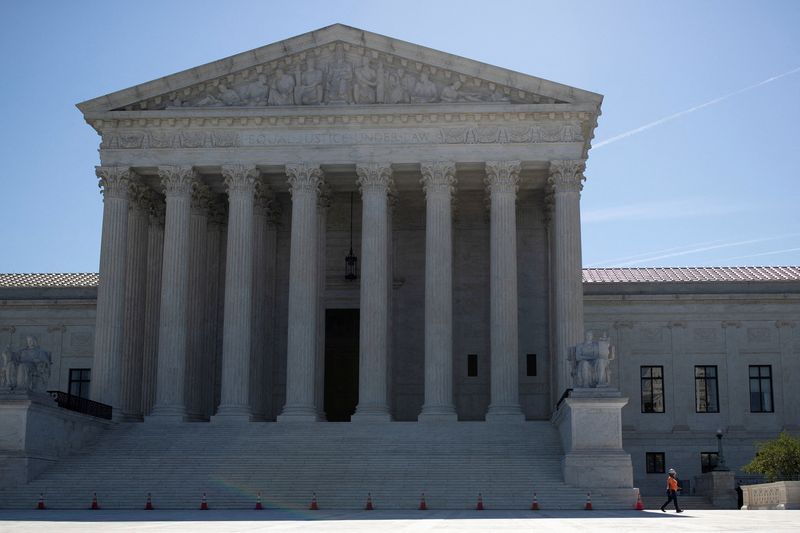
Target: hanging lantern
{"x": 351, "y": 261}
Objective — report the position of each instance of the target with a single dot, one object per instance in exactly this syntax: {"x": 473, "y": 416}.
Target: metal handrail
{"x": 81, "y": 405}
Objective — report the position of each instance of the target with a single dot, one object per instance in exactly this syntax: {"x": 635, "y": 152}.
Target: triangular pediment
{"x": 338, "y": 65}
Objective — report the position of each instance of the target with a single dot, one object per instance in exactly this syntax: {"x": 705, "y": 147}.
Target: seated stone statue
{"x": 590, "y": 362}
{"x": 27, "y": 369}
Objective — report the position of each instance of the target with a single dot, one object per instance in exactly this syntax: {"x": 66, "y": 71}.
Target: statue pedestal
{"x": 718, "y": 487}
{"x": 590, "y": 424}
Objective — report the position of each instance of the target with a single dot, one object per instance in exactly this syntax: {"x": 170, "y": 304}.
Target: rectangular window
{"x": 655, "y": 462}
{"x": 472, "y": 365}
{"x": 708, "y": 461}
{"x": 652, "y": 389}
{"x": 761, "y": 389}
{"x": 531, "y": 364}
{"x": 706, "y": 393}
{"x": 79, "y": 381}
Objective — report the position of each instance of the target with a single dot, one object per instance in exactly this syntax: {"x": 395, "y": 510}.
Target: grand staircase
{"x": 340, "y": 462}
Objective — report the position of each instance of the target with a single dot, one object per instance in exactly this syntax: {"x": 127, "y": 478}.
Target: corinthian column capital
{"x": 239, "y": 178}
{"x": 374, "y": 176}
{"x": 502, "y": 176}
{"x": 566, "y": 175}
{"x": 303, "y": 177}
{"x": 201, "y": 198}
{"x": 114, "y": 182}
{"x": 177, "y": 181}
{"x": 438, "y": 177}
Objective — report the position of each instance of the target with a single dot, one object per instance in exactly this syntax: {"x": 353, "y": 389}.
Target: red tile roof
{"x": 690, "y": 274}
{"x": 49, "y": 280}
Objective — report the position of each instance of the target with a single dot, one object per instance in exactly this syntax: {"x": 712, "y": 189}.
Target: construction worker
{"x": 672, "y": 492}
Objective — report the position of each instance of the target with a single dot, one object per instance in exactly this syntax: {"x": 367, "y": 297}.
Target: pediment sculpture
{"x": 340, "y": 75}
{"x": 26, "y": 369}
{"x": 590, "y": 361}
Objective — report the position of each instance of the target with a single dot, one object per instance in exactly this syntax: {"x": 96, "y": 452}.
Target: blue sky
{"x": 714, "y": 186}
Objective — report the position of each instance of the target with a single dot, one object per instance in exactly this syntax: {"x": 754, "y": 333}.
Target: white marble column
{"x": 196, "y": 349}
{"x": 323, "y": 204}
{"x": 271, "y": 253}
{"x": 155, "y": 260}
{"x": 438, "y": 181}
{"x": 374, "y": 180}
{"x": 234, "y": 405}
{"x": 217, "y": 218}
{"x": 107, "y": 367}
{"x": 304, "y": 183}
{"x": 566, "y": 177}
{"x": 170, "y": 404}
{"x": 260, "y": 389}
{"x": 135, "y": 295}
{"x": 502, "y": 180}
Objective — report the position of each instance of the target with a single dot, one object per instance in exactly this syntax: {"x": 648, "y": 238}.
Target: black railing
{"x": 563, "y": 397}
{"x": 81, "y": 405}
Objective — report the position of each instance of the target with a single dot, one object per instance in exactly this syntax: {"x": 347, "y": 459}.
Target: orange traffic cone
{"x": 479, "y": 507}
{"x": 95, "y": 505}
{"x": 204, "y": 503}
{"x": 313, "y": 506}
{"x": 639, "y": 503}
{"x": 534, "y": 503}
{"x": 258, "y": 503}
{"x": 148, "y": 505}
{"x": 422, "y": 505}
{"x": 369, "y": 506}
{"x": 40, "y": 505}
{"x": 588, "y": 506}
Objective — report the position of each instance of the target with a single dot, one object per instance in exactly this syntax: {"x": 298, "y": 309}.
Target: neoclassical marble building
{"x": 227, "y": 198}
{"x": 347, "y": 227}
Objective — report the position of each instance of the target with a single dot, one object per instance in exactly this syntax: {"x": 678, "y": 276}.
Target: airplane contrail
{"x": 773, "y": 252}
{"x": 693, "y": 109}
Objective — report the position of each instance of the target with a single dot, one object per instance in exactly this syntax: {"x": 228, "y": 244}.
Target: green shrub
{"x": 777, "y": 459}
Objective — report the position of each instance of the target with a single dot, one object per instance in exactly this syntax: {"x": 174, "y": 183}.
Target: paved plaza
{"x": 393, "y": 521}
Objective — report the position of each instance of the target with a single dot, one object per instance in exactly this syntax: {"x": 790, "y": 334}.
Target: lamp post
{"x": 721, "y": 466}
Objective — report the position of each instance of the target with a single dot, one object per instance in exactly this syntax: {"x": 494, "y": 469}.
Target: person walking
{"x": 672, "y": 492}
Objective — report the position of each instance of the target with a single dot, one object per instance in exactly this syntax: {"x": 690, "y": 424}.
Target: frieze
{"x": 556, "y": 133}
{"x": 340, "y": 74}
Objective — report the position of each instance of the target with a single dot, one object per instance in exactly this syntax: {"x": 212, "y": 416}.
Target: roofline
{"x": 327, "y": 35}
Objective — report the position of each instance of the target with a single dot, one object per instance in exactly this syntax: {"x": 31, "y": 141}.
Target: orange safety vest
{"x": 672, "y": 483}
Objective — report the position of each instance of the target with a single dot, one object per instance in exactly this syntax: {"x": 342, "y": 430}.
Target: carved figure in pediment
{"x": 395, "y": 92}
{"x": 454, "y": 93}
{"x": 365, "y": 87}
{"x": 339, "y": 86}
{"x": 228, "y": 96}
{"x": 256, "y": 92}
{"x": 424, "y": 90}
{"x": 308, "y": 90}
{"x": 27, "y": 369}
{"x": 209, "y": 100}
{"x": 282, "y": 90}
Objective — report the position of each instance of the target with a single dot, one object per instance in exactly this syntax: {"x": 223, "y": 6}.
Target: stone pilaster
{"x": 135, "y": 295}
{"x": 304, "y": 181}
{"x": 178, "y": 183}
{"x": 565, "y": 180}
{"x": 374, "y": 180}
{"x": 502, "y": 180}
{"x": 323, "y": 205}
{"x": 155, "y": 260}
{"x": 107, "y": 368}
{"x": 235, "y": 395}
{"x": 196, "y": 348}
{"x": 260, "y": 389}
{"x": 438, "y": 181}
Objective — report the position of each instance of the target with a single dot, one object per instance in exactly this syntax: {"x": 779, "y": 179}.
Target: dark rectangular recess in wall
{"x": 531, "y": 364}
{"x": 472, "y": 365}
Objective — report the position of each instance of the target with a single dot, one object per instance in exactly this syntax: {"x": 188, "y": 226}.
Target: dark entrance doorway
{"x": 341, "y": 363}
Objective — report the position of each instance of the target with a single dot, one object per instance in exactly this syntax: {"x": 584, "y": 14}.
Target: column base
{"x": 234, "y": 414}
{"x": 371, "y": 414}
{"x": 167, "y": 415}
{"x": 299, "y": 413}
{"x": 438, "y": 413}
{"x": 505, "y": 414}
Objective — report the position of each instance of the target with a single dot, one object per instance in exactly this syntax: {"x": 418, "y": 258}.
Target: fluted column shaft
{"x": 566, "y": 178}
{"x": 323, "y": 205}
{"x": 374, "y": 180}
{"x": 438, "y": 180}
{"x": 135, "y": 295}
{"x": 217, "y": 218}
{"x": 502, "y": 179}
{"x": 304, "y": 182}
{"x": 155, "y": 259}
{"x": 106, "y": 371}
{"x": 196, "y": 348}
{"x": 170, "y": 404}
{"x": 235, "y": 395}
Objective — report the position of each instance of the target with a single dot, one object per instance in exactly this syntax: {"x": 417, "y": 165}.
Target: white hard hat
{"x": 672, "y": 471}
